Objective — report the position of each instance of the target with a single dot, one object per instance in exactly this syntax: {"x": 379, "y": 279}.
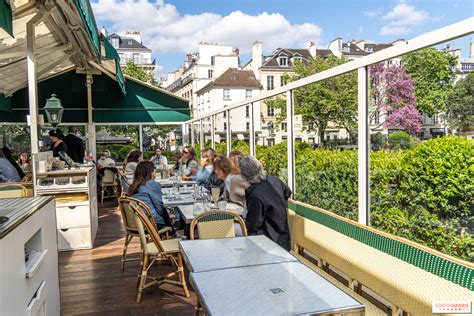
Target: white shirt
{"x": 129, "y": 172}
{"x": 228, "y": 181}
{"x": 163, "y": 159}
{"x": 106, "y": 162}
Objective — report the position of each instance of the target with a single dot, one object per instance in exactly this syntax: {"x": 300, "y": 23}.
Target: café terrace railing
{"x": 448, "y": 33}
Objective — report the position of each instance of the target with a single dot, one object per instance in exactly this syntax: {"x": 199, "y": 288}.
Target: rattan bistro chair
{"x": 154, "y": 250}
{"x": 130, "y": 225}
{"x": 108, "y": 181}
{"x": 12, "y": 191}
{"x": 216, "y": 224}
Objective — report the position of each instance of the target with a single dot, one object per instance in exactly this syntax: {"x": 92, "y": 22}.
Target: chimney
{"x": 361, "y": 44}
{"x": 471, "y": 50}
{"x": 257, "y": 58}
{"x": 312, "y": 49}
{"x": 237, "y": 52}
{"x": 336, "y": 47}
{"x": 189, "y": 57}
{"x": 104, "y": 31}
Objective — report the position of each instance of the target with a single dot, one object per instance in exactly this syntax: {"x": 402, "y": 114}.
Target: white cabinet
{"x": 29, "y": 276}
{"x": 76, "y": 205}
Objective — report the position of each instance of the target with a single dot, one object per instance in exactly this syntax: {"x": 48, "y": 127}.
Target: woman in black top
{"x": 57, "y": 144}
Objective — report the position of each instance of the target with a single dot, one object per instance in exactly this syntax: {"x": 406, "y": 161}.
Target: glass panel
{"x": 220, "y": 129}
{"x": 239, "y": 126}
{"x": 421, "y": 159}
{"x": 271, "y": 149}
{"x": 324, "y": 127}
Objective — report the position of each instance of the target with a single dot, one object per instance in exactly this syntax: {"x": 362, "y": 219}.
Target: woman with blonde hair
{"x": 235, "y": 185}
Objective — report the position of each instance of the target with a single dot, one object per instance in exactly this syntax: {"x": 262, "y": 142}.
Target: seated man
{"x": 105, "y": 160}
{"x": 267, "y": 201}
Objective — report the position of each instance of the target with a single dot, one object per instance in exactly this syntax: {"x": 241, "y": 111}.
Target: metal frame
{"x": 445, "y": 34}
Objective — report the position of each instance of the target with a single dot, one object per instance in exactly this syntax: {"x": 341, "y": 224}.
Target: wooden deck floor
{"x": 91, "y": 281}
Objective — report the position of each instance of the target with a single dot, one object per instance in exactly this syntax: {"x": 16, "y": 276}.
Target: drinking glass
{"x": 216, "y": 192}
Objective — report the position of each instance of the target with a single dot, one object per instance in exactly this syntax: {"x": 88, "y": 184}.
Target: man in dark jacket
{"x": 75, "y": 145}
{"x": 267, "y": 201}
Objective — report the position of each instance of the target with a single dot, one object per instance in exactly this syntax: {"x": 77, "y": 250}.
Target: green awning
{"x": 87, "y": 18}
{"x": 5, "y": 103}
{"x": 6, "y": 17}
{"x": 111, "y": 53}
{"x": 119, "y": 76}
{"x": 142, "y": 103}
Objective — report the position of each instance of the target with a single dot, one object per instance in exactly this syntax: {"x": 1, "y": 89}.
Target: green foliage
{"x": 461, "y": 105}
{"x": 331, "y": 100}
{"x": 134, "y": 71}
{"x": 378, "y": 141}
{"x": 438, "y": 176}
{"x": 401, "y": 140}
{"x": 423, "y": 193}
{"x": 432, "y": 71}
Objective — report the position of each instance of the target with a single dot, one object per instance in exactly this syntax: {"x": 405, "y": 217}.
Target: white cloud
{"x": 404, "y": 14}
{"x": 373, "y": 14}
{"x": 401, "y": 19}
{"x": 394, "y": 30}
{"x": 165, "y": 30}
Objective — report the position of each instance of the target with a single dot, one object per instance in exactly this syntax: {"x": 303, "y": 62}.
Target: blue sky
{"x": 173, "y": 28}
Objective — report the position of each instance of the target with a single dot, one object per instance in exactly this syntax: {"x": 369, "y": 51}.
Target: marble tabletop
{"x": 286, "y": 288}
{"x": 181, "y": 199}
{"x": 188, "y": 210}
{"x": 166, "y": 183}
{"x": 223, "y": 253}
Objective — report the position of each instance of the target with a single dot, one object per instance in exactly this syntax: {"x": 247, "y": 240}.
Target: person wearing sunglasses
{"x": 188, "y": 163}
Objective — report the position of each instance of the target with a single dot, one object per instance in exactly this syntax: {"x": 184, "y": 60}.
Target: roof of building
{"x": 127, "y": 42}
{"x": 233, "y": 77}
{"x": 352, "y": 49}
{"x": 272, "y": 60}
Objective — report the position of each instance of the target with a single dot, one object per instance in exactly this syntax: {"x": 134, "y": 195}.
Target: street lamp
{"x": 54, "y": 110}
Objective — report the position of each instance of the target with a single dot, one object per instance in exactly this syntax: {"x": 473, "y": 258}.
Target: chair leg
{"x": 128, "y": 238}
{"x": 142, "y": 277}
{"x": 182, "y": 278}
{"x": 197, "y": 308}
{"x": 102, "y": 194}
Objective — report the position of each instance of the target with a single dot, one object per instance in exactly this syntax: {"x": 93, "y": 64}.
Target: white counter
{"x": 29, "y": 286}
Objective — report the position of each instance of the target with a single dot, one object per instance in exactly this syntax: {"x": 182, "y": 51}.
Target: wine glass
{"x": 216, "y": 192}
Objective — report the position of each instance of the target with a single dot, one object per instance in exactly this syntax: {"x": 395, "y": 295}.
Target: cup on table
{"x": 222, "y": 205}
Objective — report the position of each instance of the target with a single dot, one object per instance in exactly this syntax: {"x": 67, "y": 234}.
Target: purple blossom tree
{"x": 393, "y": 93}
{"x": 407, "y": 118}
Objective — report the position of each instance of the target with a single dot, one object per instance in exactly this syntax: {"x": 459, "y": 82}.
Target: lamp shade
{"x": 54, "y": 110}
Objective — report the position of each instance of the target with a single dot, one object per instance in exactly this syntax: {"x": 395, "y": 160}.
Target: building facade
{"x": 232, "y": 86}
{"x": 199, "y": 69}
{"x": 270, "y": 70}
{"x": 130, "y": 48}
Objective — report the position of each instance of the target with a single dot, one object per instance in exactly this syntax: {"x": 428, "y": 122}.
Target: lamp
{"x": 54, "y": 110}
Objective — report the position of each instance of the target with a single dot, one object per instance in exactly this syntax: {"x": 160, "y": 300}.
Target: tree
{"x": 132, "y": 70}
{"x": 433, "y": 74}
{"x": 392, "y": 92}
{"x": 331, "y": 100}
{"x": 460, "y": 112}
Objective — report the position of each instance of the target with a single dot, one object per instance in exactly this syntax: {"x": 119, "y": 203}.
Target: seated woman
{"x": 7, "y": 154}
{"x": 147, "y": 190}
{"x": 206, "y": 167}
{"x": 267, "y": 201}
{"x": 188, "y": 163}
{"x": 177, "y": 155}
{"x": 24, "y": 162}
{"x": 134, "y": 157}
{"x": 8, "y": 173}
{"x": 235, "y": 185}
